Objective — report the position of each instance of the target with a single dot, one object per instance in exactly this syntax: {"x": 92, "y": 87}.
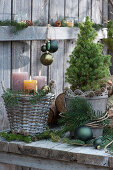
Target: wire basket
{"x": 27, "y": 118}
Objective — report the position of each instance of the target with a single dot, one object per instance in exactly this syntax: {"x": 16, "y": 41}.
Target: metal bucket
{"x": 98, "y": 103}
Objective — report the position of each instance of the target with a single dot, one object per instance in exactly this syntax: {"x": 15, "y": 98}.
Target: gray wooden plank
{"x": 56, "y": 10}
{"x": 18, "y": 167}
{"x": 21, "y": 50}
{"x": 5, "y": 62}
{"x": 97, "y": 11}
{"x": 105, "y": 11}
{"x": 56, "y": 69}
{"x": 69, "y": 47}
{"x": 35, "y": 169}
{"x": 84, "y": 9}
{"x": 21, "y": 56}
{"x": 70, "y": 44}
{"x": 5, "y": 68}
{"x": 7, "y": 167}
{"x": 21, "y": 9}
{"x": 38, "y": 33}
{"x": 25, "y": 168}
{"x": 36, "y": 66}
{"x": 39, "y": 12}
{"x": 71, "y": 8}
{"x": 110, "y": 8}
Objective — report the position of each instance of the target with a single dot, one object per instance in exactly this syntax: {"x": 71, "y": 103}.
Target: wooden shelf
{"x": 40, "y": 33}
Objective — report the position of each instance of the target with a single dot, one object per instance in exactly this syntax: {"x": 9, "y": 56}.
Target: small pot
{"x": 97, "y": 131}
{"x": 98, "y": 102}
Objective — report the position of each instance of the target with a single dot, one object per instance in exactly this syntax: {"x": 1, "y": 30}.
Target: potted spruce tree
{"x": 88, "y": 67}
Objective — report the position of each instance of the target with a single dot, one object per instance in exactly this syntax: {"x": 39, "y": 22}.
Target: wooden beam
{"x": 39, "y": 33}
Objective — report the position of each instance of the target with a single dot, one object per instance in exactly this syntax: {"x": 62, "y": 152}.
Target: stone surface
{"x": 41, "y": 163}
{"x": 46, "y": 149}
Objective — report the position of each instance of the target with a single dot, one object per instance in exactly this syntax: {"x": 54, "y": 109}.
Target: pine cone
{"x": 103, "y": 89}
{"x": 90, "y": 94}
{"x": 78, "y": 92}
{"x": 30, "y": 23}
{"x": 98, "y": 92}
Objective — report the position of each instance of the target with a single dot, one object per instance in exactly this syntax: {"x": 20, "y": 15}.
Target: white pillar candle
{"x": 18, "y": 80}
{"x": 41, "y": 80}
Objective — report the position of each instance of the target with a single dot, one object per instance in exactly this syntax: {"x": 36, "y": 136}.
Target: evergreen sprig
{"x": 78, "y": 114}
{"x": 11, "y": 98}
{"x": 97, "y": 27}
{"x": 12, "y": 137}
{"x": 59, "y": 136}
{"x": 18, "y": 26}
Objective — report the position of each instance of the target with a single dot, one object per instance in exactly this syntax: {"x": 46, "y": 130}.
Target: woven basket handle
{"x": 3, "y": 87}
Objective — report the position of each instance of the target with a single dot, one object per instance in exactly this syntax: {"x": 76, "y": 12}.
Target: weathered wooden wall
{"x": 110, "y": 17}
{"x": 26, "y": 54}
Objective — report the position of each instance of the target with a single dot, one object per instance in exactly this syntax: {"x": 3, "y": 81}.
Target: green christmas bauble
{"x": 46, "y": 59}
{"x": 97, "y": 142}
{"x": 43, "y": 48}
{"x": 46, "y": 89}
{"x": 53, "y": 46}
{"x": 48, "y": 46}
{"x": 83, "y": 133}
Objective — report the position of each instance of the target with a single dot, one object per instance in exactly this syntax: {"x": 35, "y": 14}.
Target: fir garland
{"x": 59, "y": 136}
{"x": 11, "y": 97}
{"x": 18, "y": 26}
{"x": 97, "y": 27}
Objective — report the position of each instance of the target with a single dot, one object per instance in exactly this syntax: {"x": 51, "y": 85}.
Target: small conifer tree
{"x": 88, "y": 64}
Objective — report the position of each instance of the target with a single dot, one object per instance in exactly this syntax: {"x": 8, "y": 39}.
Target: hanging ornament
{"x": 43, "y": 48}
{"x": 46, "y": 59}
{"x": 48, "y": 46}
{"x": 53, "y": 46}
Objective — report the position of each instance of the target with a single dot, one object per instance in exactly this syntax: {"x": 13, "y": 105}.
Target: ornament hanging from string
{"x": 51, "y": 46}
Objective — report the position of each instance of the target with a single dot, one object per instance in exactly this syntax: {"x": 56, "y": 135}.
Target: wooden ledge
{"x": 40, "y": 33}
{"x": 54, "y": 151}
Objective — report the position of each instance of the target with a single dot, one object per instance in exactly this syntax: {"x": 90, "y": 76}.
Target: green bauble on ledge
{"x": 97, "y": 142}
{"x": 83, "y": 133}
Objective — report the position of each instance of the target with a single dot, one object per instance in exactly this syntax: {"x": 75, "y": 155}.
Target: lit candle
{"x": 18, "y": 80}
{"x": 42, "y": 80}
{"x": 30, "y": 84}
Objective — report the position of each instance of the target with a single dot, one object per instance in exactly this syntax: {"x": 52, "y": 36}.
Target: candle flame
{"x": 40, "y": 73}
{"x": 19, "y": 70}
